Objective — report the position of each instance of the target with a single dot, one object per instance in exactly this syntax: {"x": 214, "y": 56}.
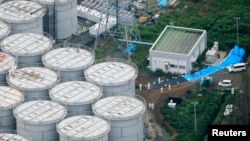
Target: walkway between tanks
{"x": 235, "y": 56}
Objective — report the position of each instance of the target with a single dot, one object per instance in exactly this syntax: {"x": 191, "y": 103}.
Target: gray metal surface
{"x": 33, "y": 81}
{"x": 38, "y": 119}
{"x": 65, "y": 13}
{"x": 116, "y": 76}
{"x": 9, "y": 97}
{"x": 4, "y": 29}
{"x": 22, "y": 15}
{"x": 76, "y": 95}
{"x": 12, "y": 137}
{"x": 81, "y": 128}
{"x": 27, "y": 47}
{"x": 6, "y": 63}
{"x": 69, "y": 61}
{"x": 125, "y": 114}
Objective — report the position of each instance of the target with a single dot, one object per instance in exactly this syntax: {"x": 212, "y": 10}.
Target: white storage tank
{"x": 76, "y": 95}
{"x": 38, "y": 119}
{"x": 4, "y": 29}
{"x": 126, "y": 115}
{"x": 9, "y": 97}
{"x": 6, "y": 63}
{"x": 27, "y": 47}
{"x": 12, "y": 137}
{"x": 33, "y": 81}
{"x": 60, "y": 20}
{"x": 22, "y": 15}
{"x": 116, "y": 76}
{"x": 69, "y": 61}
{"x": 83, "y": 128}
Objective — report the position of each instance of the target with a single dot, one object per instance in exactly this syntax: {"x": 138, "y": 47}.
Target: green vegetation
{"x": 207, "y": 109}
{"x": 216, "y": 17}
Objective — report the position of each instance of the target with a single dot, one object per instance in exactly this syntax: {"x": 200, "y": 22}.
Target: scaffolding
{"x": 124, "y": 28}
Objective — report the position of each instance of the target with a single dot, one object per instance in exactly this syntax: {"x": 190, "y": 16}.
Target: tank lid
{"x": 33, "y": 78}
{"x": 40, "y": 112}
{"x": 110, "y": 73}
{"x": 11, "y": 137}
{"x": 68, "y": 58}
{"x": 26, "y": 44}
{"x": 118, "y": 107}
{"x": 83, "y": 127}
{"x": 6, "y": 62}
{"x": 9, "y": 97}
{"x": 20, "y": 11}
{"x": 51, "y": 2}
{"x": 75, "y": 92}
{"x": 4, "y": 29}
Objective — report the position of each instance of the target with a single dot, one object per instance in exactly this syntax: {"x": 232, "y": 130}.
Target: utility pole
{"x": 237, "y": 24}
{"x": 195, "y": 125}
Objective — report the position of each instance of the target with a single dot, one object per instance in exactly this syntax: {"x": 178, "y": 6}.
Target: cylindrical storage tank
{"x": 33, "y": 81}
{"x": 22, "y": 15}
{"x": 4, "y": 29}
{"x": 70, "y": 62}
{"x": 76, "y": 95}
{"x": 12, "y": 137}
{"x": 38, "y": 119}
{"x": 126, "y": 115}
{"x": 83, "y": 128}
{"x": 60, "y": 19}
{"x": 9, "y": 97}
{"x": 6, "y": 63}
{"x": 27, "y": 47}
{"x": 116, "y": 76}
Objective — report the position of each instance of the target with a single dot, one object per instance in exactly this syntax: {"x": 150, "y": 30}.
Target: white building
{"x": 177, "y": 49}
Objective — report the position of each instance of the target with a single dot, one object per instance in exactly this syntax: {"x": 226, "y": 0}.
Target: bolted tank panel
{"x": 27, "y": 47}
{"x": 33, "y": 81}
{"x": 22, "y": 15}
{"x": 38, "y": 119}
{"x": 125, "y": 114}
{"x": 79, "y": 128}
{"x": 116, "y": 76}
{"x": 4, "y": 29}
{"x": 6, "y": 63}
{"x": 69, "y": 61}
{"x": 76, "y": 95}
{"x": 12, "y": 137}
{"x": 65, "y": 14}
{"x": 9, "y": 97}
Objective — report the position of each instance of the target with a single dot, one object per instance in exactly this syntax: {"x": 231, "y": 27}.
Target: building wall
{"x": 177, "y": 63}
{"x": 168, "y": 62}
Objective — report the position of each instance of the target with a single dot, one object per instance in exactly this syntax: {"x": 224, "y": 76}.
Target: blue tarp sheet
{"x": 162, "y": 3}
{"x": 235, "y": 56}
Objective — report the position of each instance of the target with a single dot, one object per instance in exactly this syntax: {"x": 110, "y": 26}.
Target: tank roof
{"x": 6, "y": 62}
{"x": 4, "y": 29}
{"x": 40, "y": 112}
{"x": 75, "y": 92}
{"x": 9, "y": 97}
{"x": 12, "y": 137}
{"x": 111, "y": 73}
{"x": 21, "y": 11}
{"x": 26, "y": 44}
{"x": 118, "y": 107}
{"x": 83, "y": 127}
{"x": 52, "y": 2}
{"x": 68, "y": 58}
{"x": 33, "y": 78}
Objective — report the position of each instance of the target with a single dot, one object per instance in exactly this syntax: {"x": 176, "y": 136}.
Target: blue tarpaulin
{"x": 162, "y": 3}
{"x": 130, "y": 48}
{"x": 235, "y": 56}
